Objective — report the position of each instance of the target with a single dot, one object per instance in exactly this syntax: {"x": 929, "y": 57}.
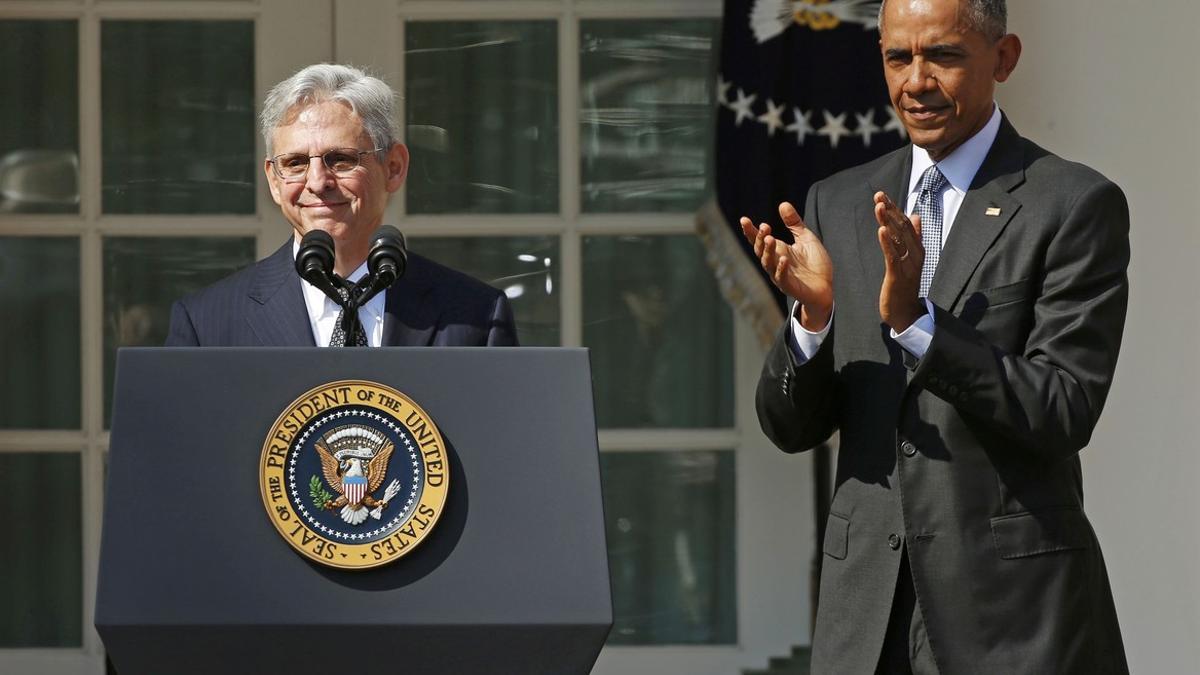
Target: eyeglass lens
{"x": 339, "y": 160}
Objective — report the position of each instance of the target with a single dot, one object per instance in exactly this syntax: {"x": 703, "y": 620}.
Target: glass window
{"x": 42, "y": 583}
{"x": 178, "y": 135}
{"x": 669, "y": 518}
{"x": 482, "y": 111}
{"x": 661, "y": 335}
{"x": 143, "y": 276}
{"x": 646, "y": 114}
{"x": 39, "y": 139}
{"x": 525, "y": 268}
{"x": 40, "y": 343}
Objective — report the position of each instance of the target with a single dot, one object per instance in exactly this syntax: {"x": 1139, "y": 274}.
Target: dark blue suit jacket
{"x": 263, "y": 306}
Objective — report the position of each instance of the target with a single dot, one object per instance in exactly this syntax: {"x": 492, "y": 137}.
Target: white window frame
{"x": 774, "y": 499}
{"x": 774, "y": 491}
{"x": 277, "y": 53}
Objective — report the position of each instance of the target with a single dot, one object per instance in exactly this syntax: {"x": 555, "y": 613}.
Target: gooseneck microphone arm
{"x": 386, "y": 262}
{"x": 314, "y": 264}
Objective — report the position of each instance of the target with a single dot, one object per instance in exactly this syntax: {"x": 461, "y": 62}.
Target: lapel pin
{"x": 993, "y": 211}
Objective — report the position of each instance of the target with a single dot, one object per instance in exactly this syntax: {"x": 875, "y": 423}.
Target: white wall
{"x": 1114, "y": 85}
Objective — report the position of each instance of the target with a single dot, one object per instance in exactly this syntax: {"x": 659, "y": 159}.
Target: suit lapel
{"x": 409, "y": 316}
{"x": 280, "y": 317}
{"x": 974, "y": 231}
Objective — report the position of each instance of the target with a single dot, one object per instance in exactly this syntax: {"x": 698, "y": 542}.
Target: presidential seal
{"x": 354, "y": 474}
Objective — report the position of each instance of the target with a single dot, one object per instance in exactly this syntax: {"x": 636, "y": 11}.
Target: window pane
{"x": 39, "y": 140}
{"x": 669, "y": 518}
{"x": 42, "y": 579}
{"x": 646, "y": 114}
{"x": 525, "y": 268}
{"x": 482, "y": 112}
{"x": 39, "y": 346}
{"x": 178, "y": 116}
{"x": 660, "y": 334}
{"x": 143, "y": 276}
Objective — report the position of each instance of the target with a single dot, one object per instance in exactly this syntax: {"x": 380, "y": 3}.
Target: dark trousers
{"x": 906, "y": 644}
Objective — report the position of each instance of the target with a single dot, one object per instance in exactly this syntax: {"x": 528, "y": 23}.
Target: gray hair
{"x": 369, "y": 97}
{"x": 989, "y": 17}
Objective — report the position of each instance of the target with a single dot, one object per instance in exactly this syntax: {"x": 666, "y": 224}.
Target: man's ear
{"x": 272, "y": 182}
{"x": 397, "y": 166}
{"x": 1009, "y": 50}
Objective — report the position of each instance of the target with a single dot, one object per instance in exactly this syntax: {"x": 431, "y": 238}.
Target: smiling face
{"x": 349, "y": 207}
{"x": 941, "y": 74}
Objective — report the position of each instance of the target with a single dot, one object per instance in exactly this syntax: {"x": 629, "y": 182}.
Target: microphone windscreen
{"x": 388, "y": 250}
{"x": 315, "y": 253}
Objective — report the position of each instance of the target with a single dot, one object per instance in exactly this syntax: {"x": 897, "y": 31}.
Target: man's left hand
{"x": 903, "y": 257}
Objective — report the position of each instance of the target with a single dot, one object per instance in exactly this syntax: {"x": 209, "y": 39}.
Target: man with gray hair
{"x": 964, "y": 366}
{"x": 333, "y": 161}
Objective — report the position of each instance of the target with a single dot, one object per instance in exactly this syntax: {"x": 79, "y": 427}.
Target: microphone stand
{"x": 385, "y": 263}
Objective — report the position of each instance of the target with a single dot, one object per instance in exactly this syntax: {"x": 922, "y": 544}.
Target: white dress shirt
{"x": 959, "y": 168}
{"x": 323, "y": 311}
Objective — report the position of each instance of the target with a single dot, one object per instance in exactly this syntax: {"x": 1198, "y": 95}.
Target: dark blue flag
{"x": 801, "y": 95}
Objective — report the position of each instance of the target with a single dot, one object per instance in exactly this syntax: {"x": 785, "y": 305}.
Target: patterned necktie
{"x": 339, "y": 335}
{"x": 929, "y": 207}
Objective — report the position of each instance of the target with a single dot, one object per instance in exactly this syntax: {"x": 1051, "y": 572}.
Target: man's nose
{"x": 318, "y": 178}
{"x": 920, "y": 77}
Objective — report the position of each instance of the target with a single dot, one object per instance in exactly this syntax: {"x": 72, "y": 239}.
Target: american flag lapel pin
{"x": 993, "y": 211}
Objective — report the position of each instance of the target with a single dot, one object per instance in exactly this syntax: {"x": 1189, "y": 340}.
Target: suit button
{"x": 908, "y": 449}
{"x": 894, "y": 541}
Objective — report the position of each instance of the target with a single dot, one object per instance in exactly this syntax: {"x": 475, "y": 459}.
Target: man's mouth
{"x": 925, "y": 112}
{"x": 328, "y": 205}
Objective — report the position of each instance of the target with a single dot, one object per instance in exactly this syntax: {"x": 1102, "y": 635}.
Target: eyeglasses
{"x": 293, "y": 167}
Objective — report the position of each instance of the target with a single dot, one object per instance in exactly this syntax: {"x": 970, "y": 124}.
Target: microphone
{"x": 314, "y": 263}
{"x": 386, "y": 262}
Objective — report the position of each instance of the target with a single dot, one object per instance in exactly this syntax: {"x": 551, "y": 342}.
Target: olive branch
{"x": 318, "y": 493}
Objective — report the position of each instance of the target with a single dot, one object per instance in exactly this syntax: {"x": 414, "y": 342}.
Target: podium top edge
{"x": 552, "y": 350}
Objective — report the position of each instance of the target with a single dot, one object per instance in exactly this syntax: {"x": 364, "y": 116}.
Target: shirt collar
{"x": 320, "y": 305}
{"x": 960, "y": 166}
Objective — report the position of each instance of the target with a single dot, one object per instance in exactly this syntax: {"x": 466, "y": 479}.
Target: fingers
{"x": 782, "y": 264}
{"x": 755, "y": 236}
{"x": 894, "y": 253}
{"x": 898, "y": 225}
{"x": 749, "y": 231}
{"x": 791, "y": 218}
{"x": 767, "y": 249}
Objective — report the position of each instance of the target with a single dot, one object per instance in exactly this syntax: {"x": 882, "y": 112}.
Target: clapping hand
{"x": 803, "y": 271}
{"x": 903, "y": 258}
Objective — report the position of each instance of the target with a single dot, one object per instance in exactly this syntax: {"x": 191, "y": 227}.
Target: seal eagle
{"x": 354, "y": 460}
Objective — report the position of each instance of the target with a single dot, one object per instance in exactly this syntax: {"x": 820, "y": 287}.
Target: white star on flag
{"x": 866, "y": 126}
{"x": 835, "y": 128}
{"x": 773, "y": 118}
{"x": 802, "y": 125}
{"x": 742, "y": 107}
{"x": 894, "y": 124}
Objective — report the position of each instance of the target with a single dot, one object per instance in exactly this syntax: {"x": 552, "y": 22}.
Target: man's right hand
{"x": 803, "y": 271}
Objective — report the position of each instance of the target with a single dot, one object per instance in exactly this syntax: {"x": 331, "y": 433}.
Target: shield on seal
{"x": 355, "y": 488}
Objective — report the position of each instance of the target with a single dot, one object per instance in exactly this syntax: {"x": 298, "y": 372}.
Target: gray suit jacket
{"x": 970, "y": 454}
{"x": 262, "y": 305}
